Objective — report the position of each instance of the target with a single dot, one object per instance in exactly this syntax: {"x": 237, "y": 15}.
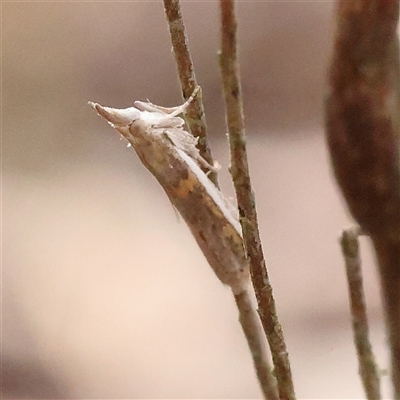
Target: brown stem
{"x": 245, "y": 198}
{"x": 195, "y": 116}
{"x": 363, "y": 131}
{"x": 250, "y": 322}
{"x": 366, "y": 359}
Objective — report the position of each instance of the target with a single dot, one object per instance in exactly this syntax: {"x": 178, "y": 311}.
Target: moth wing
{"x": 187, "y": 143}
{"x": 182, "y": 139}
{"x": 116, "y": 117}
{"x": 148, "y": 106}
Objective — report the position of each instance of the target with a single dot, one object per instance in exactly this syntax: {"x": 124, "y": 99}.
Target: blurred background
{"x": 105, "y": 293}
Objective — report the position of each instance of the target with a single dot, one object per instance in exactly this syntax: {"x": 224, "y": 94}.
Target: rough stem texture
{"x": 366, "y": 359}
{"x": 195, "y": 116}
{"x": 196, "y": 121}
{"x": 250, "y": 322}
{"x": 245, "y": 198}
{"x": 362, "y": 121}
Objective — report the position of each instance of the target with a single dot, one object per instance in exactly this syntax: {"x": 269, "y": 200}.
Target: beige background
{"x": 105, "y": 294}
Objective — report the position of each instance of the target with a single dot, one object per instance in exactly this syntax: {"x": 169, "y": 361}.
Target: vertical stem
{"x": 366, "y": 359}
{"x": 195, "y": 116}
{"x": 388, "y": 255}
{"x": 363, "y": 132}
{"x": 246, "y": 202}
{"x": 250, "y": 322}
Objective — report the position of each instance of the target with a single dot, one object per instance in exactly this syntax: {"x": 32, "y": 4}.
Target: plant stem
{"x": 195, "y": 116}
{"x": 366, "y": 359}
{"x": 250, "y": 322}
{"x": 363, "y": 131}
{"x": 246, "y": 203}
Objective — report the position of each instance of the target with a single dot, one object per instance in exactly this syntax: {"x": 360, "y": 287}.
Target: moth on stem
{"x": 239, "y": 168}
{"x": 170, "y": 153}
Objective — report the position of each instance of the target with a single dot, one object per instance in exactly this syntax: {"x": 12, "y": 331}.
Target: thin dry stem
{"x": 366, "y": 360}
{"x": 195, "y": 116}
{"x": 250, "y": 322}
{"x": 245, "y": 199}
{"x": 363, "y": 131}
{"x": 195, "y": 119}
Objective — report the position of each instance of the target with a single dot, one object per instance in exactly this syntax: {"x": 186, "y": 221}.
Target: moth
{"x": 170, "y": 153}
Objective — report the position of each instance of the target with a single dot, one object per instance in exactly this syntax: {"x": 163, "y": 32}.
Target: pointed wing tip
{"x": 96, "y": 107}
{"x": 116, "y": 117}
{"x": 105, "y": 112}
